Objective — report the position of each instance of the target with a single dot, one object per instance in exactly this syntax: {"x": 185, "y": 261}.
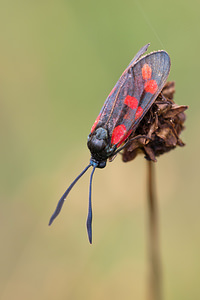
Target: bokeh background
{"x": 58, "y": 62}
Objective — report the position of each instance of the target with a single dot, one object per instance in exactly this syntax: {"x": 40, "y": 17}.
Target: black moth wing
{"x": 110, "y": 100}
{"x": 133, "y": 83}
{"x": 160, "y": 64}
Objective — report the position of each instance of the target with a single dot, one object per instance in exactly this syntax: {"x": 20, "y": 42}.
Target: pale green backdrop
{"x": 58, "y": 62}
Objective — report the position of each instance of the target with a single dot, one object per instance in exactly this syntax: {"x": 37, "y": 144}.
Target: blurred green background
{"x": 58, "y": 62}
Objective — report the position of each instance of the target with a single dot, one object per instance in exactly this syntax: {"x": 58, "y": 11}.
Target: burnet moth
{"x": 124, "y": 108}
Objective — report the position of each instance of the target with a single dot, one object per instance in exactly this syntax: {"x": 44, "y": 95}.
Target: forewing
{"x": 144, "y": 81}
{"x": 138, "y": 55}
{"x": 133, "y": 95}
{"x": 113, "y": 98}
{"x": 154, "y": 69}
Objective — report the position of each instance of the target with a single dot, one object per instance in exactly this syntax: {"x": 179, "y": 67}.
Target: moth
{"x": 126, "y": 105}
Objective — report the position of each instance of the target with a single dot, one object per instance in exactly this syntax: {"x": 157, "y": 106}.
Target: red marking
{"x": 118, "y": 134}
{"x": 125, "y": 137}
{"x": 146, "y": 72}
{"x": 95, "y": 123}
{"x": 139, "y": 112}
{"x": 132, "y": 102}
{"x": 111, "y": 92}
{"x": 150, "y": 86}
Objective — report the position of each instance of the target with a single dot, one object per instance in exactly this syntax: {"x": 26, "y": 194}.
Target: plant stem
{"x": 155, "y": 290}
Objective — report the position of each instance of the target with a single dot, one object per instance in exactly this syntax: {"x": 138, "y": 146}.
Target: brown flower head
{"x": 162, "y": 124}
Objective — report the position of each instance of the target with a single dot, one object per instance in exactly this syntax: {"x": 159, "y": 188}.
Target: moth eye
{"x": 102, "y": 164}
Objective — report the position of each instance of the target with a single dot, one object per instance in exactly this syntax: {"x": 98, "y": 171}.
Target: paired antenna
{"x": 62, "y": 200}
{"x": 89, "y": 218}
{"x": 64, "y": 196}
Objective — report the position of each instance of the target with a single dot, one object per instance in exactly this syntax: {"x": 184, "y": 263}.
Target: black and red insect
{"x": 126, "y": 105}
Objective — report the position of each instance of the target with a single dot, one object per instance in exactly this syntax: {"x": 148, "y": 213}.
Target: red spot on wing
{"x": 146, "y": 72}
{"x": 125, "y": 137}
{"x": 132, "y": 102}
{"x": 139, "y": 112}
{"x": 118, "y": 134}
{"x": 150, "y": 86}
{"x": 95, "y": 123}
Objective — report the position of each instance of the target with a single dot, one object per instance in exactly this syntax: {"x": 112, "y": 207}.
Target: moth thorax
{"x": 97, "y": 141}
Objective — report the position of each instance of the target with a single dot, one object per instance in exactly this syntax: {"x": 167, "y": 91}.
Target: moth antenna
{"x": 89, "y": 218}
{"x": 62, "y": 199}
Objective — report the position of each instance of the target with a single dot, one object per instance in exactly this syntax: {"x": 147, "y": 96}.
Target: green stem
{"x": 155, "y": 289}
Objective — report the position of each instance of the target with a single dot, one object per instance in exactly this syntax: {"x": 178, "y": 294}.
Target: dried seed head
{"x": 162, "y": 124}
